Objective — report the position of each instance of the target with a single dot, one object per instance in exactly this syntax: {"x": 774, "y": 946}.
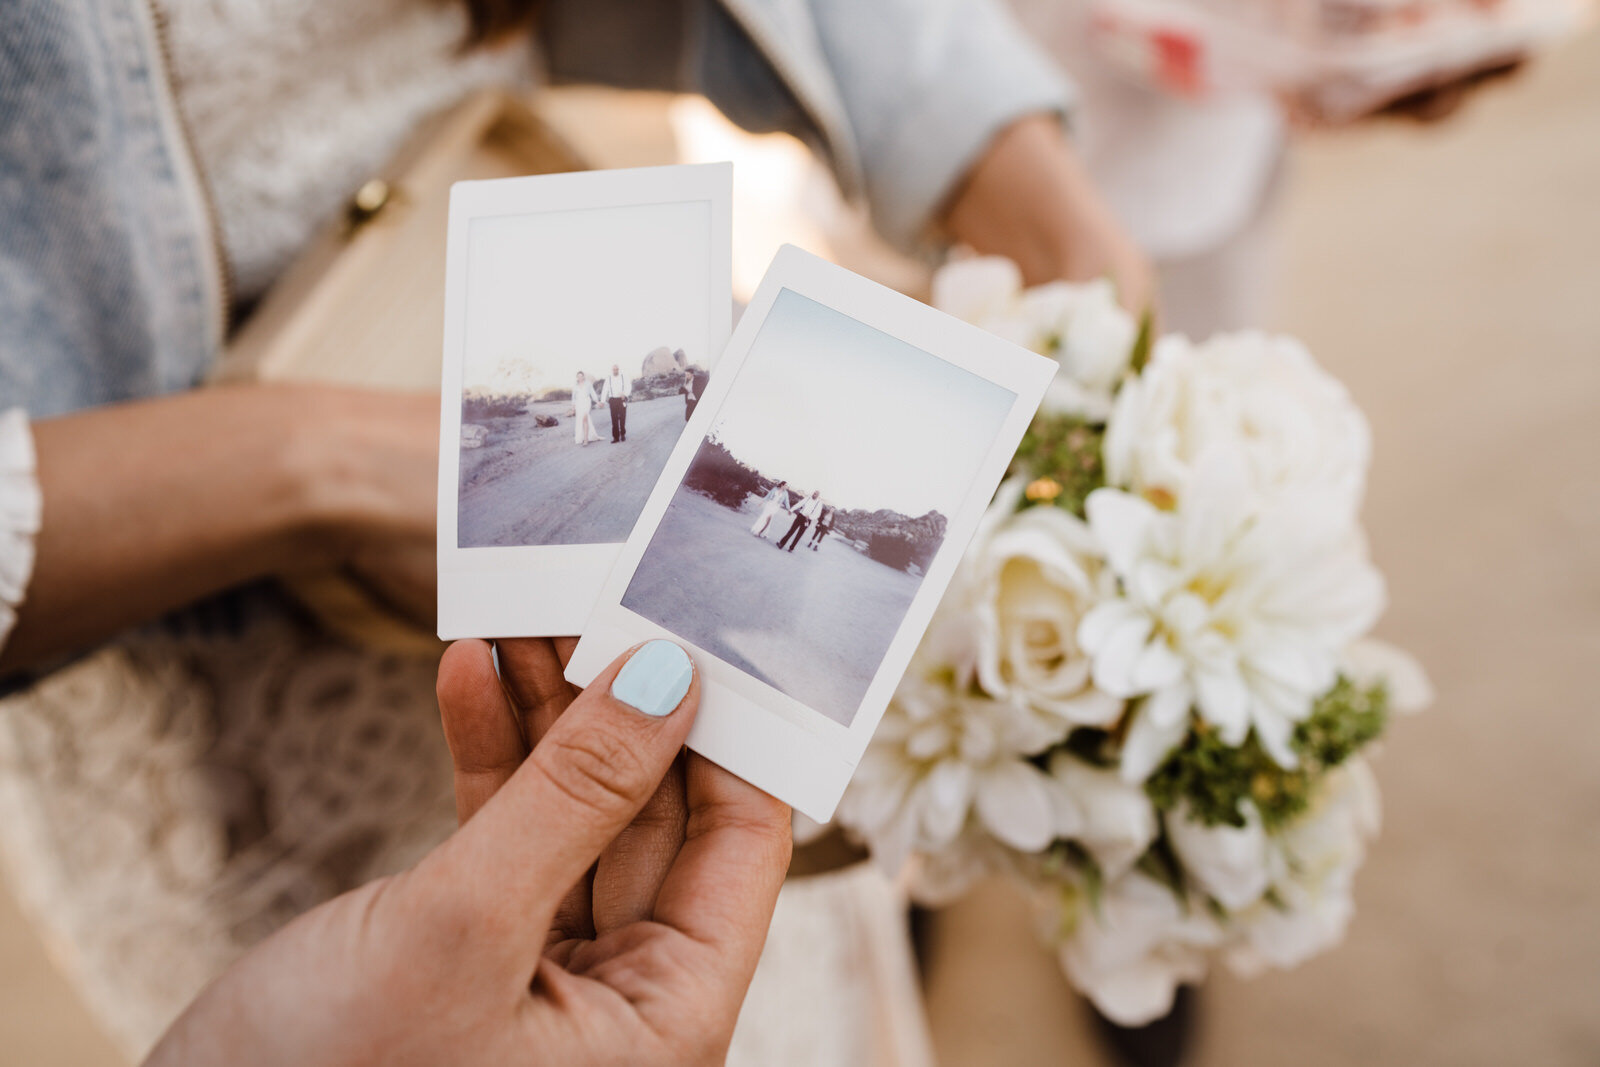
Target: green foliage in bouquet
{"x": 1143, "y": 343}
{"x": 1214, "y": 777}
{"x": 1060, "y": 456}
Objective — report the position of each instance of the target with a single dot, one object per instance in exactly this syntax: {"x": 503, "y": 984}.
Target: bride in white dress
{"x": 583, "y": 402}
{"x": 776, "y": 500}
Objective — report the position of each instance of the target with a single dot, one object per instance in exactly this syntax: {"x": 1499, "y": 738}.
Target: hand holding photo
{"x": 811, "y": 516}
{"x": 579, "y": 309}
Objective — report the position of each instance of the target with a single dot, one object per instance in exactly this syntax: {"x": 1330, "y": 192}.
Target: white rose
{"x": 1230, "y": 863}
{"x": 1237, "y": 612}
{"x": 1026, "y": 583}
{"x": 1114, "y": 821}
{"x": 1081, "y": 326}
{"x": 1129, "y": 954}
{"x": 1314, "y": 860}
{"x": 1302, "y": 437}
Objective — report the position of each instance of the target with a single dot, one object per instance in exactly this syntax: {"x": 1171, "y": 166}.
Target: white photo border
{"x": 758, "y": 732}
{"x": 548, "y": 590}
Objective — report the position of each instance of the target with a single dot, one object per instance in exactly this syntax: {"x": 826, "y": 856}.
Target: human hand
{"x": 606, "y": 903}
{"x": 1029, "y": 198}
{"x": 1428, "y": 103}
{"x": 1435, "y": 103}
{"x": 369, "y": 462}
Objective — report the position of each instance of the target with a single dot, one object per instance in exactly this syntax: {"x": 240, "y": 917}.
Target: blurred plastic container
{"x": 1335, "y": 59}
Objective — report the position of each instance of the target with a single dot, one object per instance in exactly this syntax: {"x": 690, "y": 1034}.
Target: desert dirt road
{"x": 531, "y": 485}
{"x": 814, "y": 625}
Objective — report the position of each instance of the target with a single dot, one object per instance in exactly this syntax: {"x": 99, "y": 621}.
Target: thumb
{"x": 586, "y": 779}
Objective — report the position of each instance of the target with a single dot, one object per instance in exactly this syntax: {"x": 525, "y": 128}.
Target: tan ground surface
{"x": 1453, "y": 279}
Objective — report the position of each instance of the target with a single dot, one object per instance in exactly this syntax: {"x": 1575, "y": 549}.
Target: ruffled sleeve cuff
{"x": 20, "y": 507}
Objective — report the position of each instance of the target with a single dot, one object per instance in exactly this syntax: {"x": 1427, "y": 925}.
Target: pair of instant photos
{"x": 789, "y": 502}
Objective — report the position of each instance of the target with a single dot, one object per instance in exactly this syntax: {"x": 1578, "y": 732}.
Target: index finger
{"x": 723, "y": 887}
{"x": 586, "y": 779}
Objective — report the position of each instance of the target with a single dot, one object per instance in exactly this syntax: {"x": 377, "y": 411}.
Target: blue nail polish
{"x": 655, "y": 678}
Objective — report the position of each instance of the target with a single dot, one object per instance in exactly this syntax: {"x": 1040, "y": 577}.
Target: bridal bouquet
{"x": 1149, "y": 692}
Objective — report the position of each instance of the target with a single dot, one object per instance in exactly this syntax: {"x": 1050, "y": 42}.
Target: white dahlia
{"x": 1239, "y": 612}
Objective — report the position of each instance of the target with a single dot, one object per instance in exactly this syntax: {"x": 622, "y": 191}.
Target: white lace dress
{"x": 171, "y": 798}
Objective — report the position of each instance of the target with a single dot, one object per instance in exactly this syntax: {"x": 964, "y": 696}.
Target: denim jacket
{"x": 111, "y": 279}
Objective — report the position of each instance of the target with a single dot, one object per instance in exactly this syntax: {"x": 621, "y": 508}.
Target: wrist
{"x": 1030, "y": 198}
{"x": 362, "y": 466}
{"x": 325, "y": 460}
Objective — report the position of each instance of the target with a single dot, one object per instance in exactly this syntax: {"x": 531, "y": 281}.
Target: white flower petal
{"x": 1224, "y": 702}
{"x": 1229, "y": 863}
{"x": 1066, "y": 396}
{"x": 945, "y": 797}
{"x": 1114, "y": 662}
{"x": 1070, "y": 818}
{"x": 1013, "y": 801}
{"x": 1148, "y": 744}
{"x": 1370, "y": 661}
{"x": 1136, "y": 996}
{"x": 1275, "y": 733}
{"x": 1170, "y": 705}
{"x": 1157, "y": 667}
{"x": 928, "y": 741}
{"x": 1115, "y": 820}
{"x": 1120, "y": 522}
{"x": 1130, "y": 954}
{"x": 973, "y": 289}
{"x": 1102, "y": 621}
{"x": 1088, "y": 708}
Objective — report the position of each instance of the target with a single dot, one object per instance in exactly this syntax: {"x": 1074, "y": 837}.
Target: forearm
{"x": 1029, "y": 198}
{"x": 155, "y": 504}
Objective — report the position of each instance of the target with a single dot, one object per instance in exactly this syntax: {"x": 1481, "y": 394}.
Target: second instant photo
{"x": 810, "y": 520}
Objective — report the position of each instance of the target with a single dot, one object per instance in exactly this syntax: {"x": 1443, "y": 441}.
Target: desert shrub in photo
{"x": 717, "y": 474}
{"x": 478, "y": 408}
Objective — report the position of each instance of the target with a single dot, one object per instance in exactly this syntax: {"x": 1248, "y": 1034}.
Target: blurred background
{"x": 1450, "y": 275}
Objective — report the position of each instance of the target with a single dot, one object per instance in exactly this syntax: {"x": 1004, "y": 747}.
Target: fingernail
{"x": 655, "y": 678}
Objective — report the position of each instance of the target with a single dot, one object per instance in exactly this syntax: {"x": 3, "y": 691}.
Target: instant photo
{"x": 809, "y": 515}
{"x": 811, "y": 518}
{"x": 583, "y": 315}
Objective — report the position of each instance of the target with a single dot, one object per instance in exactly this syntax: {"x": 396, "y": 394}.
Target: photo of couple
{"x": 613, "y": 396}
{"x": 810, "y": 513}
{"x": 839, "y": 441}
{"x": 586, "y": 346}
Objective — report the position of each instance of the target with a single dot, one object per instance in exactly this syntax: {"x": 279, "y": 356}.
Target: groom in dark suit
{"x": 805, "y": 513}
{"x": 616, "y": 391}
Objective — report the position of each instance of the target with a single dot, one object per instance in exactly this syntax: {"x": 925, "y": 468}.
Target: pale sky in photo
{"x": 830, "y": 403}
{"x": 553, "y": 293}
